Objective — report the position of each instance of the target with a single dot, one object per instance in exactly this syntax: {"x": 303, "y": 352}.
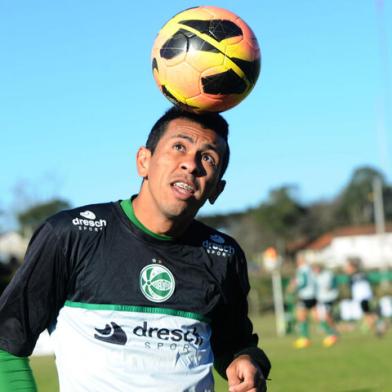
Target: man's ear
{"x": 143, "y": 157}
{"x": 220, "y": 186}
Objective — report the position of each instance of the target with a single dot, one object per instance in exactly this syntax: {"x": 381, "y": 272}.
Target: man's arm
{"x": 27, "y": 306}
{"x": 244, "y": 375}
{"x": 234, "y": 344}
{"x": 255, "y": 355}
{"x": 248, "y": 371}
{"x": 15, "y": 374}
{"x": 35, "y": 294}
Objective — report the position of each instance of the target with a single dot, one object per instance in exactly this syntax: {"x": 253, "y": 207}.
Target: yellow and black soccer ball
{"x": 206, "y": 59}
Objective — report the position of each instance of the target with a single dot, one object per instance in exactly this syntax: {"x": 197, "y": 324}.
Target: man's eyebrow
{"x": 207, "y": 146}
{"x": 183, "y": 136}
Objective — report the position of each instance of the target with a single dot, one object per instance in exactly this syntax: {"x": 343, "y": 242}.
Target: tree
{"x": 32, "y": 217}
{"x": 283, "y": 220}
{"x": 319, "y": 219}
{"x": 354, "y": 206}
{"x": 387, "y": 198}
{"x": 281, "y": 215}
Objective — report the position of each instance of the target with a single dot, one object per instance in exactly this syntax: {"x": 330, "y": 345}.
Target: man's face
{"x": 349, "y": 269}
{"x": 316, "y": 269}
{"x": 183, "y": 172}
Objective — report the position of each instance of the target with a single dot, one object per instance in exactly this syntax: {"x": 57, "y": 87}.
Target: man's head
{"x": 353, "y": 265}
{"x": 317, "y": 267}
{"x": 212, "y": 121}
{"x": 182, "y": 164}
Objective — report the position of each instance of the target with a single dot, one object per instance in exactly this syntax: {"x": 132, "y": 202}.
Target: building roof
{"x": 325, "y": 240}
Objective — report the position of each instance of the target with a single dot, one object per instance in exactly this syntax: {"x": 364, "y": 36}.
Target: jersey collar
{"x": 127, "y": 207}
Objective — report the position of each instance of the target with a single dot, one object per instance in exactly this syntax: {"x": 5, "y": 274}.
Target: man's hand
{"x": 243, "y": 375}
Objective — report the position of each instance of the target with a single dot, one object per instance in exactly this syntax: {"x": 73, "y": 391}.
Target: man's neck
{"x": 156, "y": 222}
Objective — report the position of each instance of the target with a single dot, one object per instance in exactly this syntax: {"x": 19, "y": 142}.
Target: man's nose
{"x": 192, "y": 164}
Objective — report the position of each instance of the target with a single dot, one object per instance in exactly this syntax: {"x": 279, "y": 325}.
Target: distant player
{"x": 362, "y": 293}
{"x": 326, "y": 296}
{"x": 138, "y": 295}
{"x": 304, "y": 284}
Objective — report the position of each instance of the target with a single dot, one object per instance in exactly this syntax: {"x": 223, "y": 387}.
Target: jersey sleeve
{"x": 15, "y": 374}
{"x": 232, "y": 330}
{"x": 32, "y": 299}
{"x": 302, "y": 280}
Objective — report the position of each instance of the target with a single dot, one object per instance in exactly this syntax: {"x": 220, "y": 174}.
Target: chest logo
{"x": 112, "y": 333}
{"x": 156, "y": 283}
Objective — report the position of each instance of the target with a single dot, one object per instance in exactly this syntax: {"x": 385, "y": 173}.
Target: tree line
{"x": 285, "y": 222}
{"x": 281, "y": 220}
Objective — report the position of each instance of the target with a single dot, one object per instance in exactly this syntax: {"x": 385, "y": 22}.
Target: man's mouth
{"x": 184, "y": 188}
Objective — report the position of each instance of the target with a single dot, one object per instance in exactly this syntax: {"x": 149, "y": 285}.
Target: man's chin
{"x": 182, "y": 209}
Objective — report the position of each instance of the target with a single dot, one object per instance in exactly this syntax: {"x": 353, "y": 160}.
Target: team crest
{"x": 156, "y": 283}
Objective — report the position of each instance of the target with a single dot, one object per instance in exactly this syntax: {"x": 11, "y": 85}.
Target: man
{"x": 362, "y": 294}
{"x": 304, "y": 285}
{"x": 326, "y": 295}
{"x": 137, "y": 294}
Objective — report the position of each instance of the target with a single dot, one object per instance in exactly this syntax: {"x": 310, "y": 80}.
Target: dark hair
{"x": 355, "y": 262}
{"x": 212, "y": 121}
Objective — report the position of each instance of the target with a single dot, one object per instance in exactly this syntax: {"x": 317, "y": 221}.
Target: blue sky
{"x": 77, "y": 98}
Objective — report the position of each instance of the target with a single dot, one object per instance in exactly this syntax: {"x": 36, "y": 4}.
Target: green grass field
{"x": 359, "y": 363}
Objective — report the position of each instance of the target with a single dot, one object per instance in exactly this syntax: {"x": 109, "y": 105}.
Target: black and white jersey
{"x": 127, "y": 311}
{"x": 361, "y": 290}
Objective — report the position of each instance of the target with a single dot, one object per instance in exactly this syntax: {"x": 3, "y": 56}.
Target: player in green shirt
{"x": 137, "y": 294}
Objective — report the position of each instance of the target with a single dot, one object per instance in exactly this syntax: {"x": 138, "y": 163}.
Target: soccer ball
{"x": 206, "y": 59}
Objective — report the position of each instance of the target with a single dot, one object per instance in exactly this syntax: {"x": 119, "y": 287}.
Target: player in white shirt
{"x": 304, "y": 285}
{"x": 362, "y": 293}
{"x": 326, "y": 295}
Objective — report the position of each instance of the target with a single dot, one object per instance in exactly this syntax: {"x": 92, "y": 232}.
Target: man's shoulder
{"x": 94, "y": 216}
{"x": 215, "y": 240}
{"x": 359, "y": 277}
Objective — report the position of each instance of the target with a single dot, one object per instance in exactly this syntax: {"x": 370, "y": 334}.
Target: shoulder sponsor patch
{"x": 216, "y": 245}
{"x": 89, "y": 221}
{"x": 88, "y": 214}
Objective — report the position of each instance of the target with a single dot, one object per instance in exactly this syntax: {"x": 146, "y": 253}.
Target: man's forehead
{"x": 194, "y": 132}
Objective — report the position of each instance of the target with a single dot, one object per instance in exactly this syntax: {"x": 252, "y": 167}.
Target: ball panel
{"x": 208, "y": 60}
{"x": 154, "y": 64}
{"x": 251, "y": 69}
{"x": 197, "y": 43}
{"x": 222, "y": 83}
{"x": 213, "y": 103}
{"x": 157, "y": 77}
{"x": 241, "y": 51}
{"x": 218, "y": 29}
{"x": 198, "y": 13}
{"x": 175, "y": 101}
{"x": 183, "y": 81}
{"x": 227, "y": 42}
{"x": 174, "y": 46}
{"x": 220, "y": 13}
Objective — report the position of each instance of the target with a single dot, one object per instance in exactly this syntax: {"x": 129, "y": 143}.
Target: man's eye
{"x": 209, "y": 159}
{"x": 179, "y": 147}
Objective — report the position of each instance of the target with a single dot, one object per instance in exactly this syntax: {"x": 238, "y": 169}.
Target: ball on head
{"x": 206, "y": 59}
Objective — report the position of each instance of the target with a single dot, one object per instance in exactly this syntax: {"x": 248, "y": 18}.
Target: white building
{"x": 13, "y": 244}
{"x": 333, "y": 248}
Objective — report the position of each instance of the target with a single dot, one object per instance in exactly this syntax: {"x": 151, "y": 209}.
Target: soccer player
{"x": 137, "y": 294}
{"x": 326, "y": 296}
{"x": 362, "y": 293}
{"x": 305, "y": 286}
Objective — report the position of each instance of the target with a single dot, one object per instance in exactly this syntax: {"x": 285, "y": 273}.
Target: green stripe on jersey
{"x": 137, "y": 309}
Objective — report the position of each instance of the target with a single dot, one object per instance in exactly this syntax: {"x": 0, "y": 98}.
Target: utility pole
{"x": 273, "y": 262}
{"x": 379, "y": 220}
